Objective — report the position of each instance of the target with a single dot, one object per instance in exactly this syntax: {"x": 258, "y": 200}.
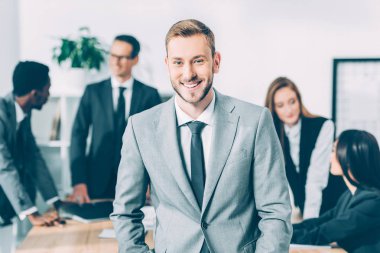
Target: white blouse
{"x": 318, "y": 172}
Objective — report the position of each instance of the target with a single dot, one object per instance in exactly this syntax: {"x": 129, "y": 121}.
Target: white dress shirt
{"x": 128, "y": 84}
{"x": 185, "y": 133}
{"x": 20, "y": 115}
{"x": 318, "y": 171}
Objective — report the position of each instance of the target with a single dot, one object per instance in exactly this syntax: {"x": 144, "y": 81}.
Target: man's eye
{"x": 199, "y": 61}
{"x": 177, "y": 62}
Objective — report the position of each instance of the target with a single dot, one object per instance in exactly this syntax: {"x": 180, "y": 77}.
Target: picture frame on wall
{"x": 356, "y": 95}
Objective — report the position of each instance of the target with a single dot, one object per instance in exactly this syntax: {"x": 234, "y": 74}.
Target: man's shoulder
{"x": 99, "y": 84}
{"x": 238, "y": 106}
{"x": 97, "y": 87}
{"x": 152, "y": 114}
{"x": 143, "y": 86}
{"x": 5, "y": 103}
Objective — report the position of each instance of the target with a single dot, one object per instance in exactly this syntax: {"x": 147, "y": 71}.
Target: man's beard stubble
{"x": 205, "y": 91}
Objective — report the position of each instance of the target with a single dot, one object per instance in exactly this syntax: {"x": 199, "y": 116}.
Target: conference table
{"x": 75, "y": 237}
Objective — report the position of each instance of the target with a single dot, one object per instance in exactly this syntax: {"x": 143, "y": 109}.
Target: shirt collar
{"x": 205, "y": 117}
{"x": 20, "y": 115}
{"x": 128, "y": 84}
{"x": 294, "y": 130}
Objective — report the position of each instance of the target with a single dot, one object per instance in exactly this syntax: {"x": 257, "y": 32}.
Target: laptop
{"x": 88, "y": 212}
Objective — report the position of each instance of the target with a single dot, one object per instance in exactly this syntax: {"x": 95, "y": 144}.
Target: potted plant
{"x": 85, "y": 52}
{"x": 78, "y": 56}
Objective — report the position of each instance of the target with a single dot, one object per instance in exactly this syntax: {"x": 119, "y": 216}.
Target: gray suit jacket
{"x": 17, "y": 194}
{"x": 246, "y": 204}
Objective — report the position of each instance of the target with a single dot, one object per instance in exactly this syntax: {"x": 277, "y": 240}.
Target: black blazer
{"x": 98, "y": 168}
{"x": 354, "y": 224}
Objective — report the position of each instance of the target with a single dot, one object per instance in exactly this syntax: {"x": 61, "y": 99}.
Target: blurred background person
{"x": 306, "y": 140}
{"x": 354, "y": 224}
{"x": 105, "y": 107}
{"x": 22, "y": 167}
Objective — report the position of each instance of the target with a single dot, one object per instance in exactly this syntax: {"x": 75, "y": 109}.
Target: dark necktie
{"x": 197, "y": 160}
{"x": 120, "y": 124}
{"x": 120, "y": 112}
{"x": 197, "y": 166}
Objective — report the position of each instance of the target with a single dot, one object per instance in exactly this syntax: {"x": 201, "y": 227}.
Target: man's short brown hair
{"x": 190, "y": 27}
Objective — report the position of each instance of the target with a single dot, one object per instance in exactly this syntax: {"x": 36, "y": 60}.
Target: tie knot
{"x": 196, "y": 126}
{"x": 122, "y": 89}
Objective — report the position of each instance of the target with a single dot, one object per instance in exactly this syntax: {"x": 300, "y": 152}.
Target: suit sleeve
{"x": 309, "y": 224}
{"x": 345, "y": 224}
{"x": 41, "y": 175}
{"x": 132, "y": 183}
{"x": 9, "y": 176}
{"x": 318, "y": 172}
{"x": 271, "y": 189}
{"x": 78, "y": 143}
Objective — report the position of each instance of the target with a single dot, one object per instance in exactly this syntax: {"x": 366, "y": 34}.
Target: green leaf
{"x": 84, "y": 52}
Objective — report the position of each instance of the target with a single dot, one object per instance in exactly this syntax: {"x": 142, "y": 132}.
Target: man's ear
{"x": 216, "y": 62}
{"x": 33, "y": 93}
{"x": 167, "y": 62}
{"x": 135, "y": 60}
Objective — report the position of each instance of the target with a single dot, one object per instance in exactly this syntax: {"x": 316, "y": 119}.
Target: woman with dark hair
{"x": 354, "y": 224}
{"x": 306, "y": 140}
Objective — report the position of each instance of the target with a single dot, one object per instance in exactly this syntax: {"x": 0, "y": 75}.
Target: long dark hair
{"x": 359, "y": 156}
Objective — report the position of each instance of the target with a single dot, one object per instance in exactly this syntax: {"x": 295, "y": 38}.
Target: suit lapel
{"x": 224, "y": 131}
{"x": 167, "y": 143}
{"x": 135, "y": 99}
{"x": 106, "y": 98}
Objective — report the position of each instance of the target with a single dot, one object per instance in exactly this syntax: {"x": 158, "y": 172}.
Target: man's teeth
{"x": 191, "y": 85}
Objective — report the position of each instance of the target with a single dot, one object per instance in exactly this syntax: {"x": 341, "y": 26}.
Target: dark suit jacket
{"x": 354, "y": 224}
{"x": 98, "y": 168}
{"x": 20, "y": 174}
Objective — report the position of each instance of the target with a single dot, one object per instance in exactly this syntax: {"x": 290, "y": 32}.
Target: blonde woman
{"x": 306, "y": 140}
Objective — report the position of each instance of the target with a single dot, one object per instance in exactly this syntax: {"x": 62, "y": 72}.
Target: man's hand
{"x": 48, "y": 219}
{"x": 80, "y": 194}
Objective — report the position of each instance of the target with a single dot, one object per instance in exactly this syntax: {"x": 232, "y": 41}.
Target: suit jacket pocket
{"x": 250, "y": 247}
{"x": 237, "y": 157}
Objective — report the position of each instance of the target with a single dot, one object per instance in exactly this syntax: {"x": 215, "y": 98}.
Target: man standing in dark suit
{"x": 22, "y": 168}
{"x": 104, "y": 108}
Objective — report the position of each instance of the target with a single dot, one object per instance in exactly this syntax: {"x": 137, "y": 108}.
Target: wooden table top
{"x": 72, "y": 238}
{"x": 77, "y": 237}
{"x": 320, "y": 250}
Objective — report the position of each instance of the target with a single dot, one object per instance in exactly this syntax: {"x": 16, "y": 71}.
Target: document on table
{"x": 88, "y": 212}
{"x": 107, "y": 234}
{"x": 149, "y": 223}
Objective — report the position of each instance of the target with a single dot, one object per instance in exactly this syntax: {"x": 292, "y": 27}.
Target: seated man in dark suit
{"x": 22, "y": 168}
{"x": 104, "y": 107}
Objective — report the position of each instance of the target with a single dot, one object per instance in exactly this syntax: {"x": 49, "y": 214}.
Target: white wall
{"x": 258, "y": 40}
{"x": 9, "y": 43}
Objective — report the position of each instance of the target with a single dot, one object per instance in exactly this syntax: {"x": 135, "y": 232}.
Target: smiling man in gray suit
{"x": 214, "y": 164}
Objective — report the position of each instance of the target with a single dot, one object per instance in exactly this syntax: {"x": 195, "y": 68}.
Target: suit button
{"x": 204, "y": 225}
